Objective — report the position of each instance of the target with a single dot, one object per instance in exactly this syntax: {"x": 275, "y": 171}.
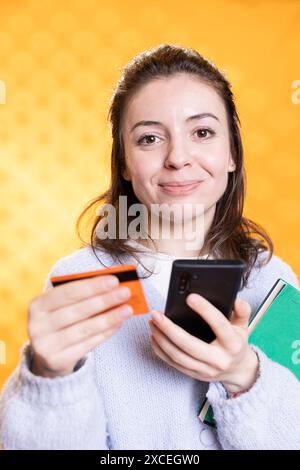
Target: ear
{"x": 126, "y": 175}
{"x": 231, "y": 165}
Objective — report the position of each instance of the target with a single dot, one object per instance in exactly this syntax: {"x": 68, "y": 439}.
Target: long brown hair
{"x": 231, "y": 235}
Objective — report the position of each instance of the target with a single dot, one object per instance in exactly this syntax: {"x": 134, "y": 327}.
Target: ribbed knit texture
{"x": 125, "y": 397}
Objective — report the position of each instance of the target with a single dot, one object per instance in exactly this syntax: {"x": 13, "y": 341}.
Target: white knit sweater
{"x": 125, "y": 397}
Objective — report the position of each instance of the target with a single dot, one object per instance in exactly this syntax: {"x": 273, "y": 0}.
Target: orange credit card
{"x": 127, "y": 276}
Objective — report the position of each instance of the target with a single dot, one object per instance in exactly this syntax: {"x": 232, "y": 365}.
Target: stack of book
{"x": 275, "y": 329}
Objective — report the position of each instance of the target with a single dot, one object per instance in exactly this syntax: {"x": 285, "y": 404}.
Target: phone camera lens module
{"x": 183, "y": 283}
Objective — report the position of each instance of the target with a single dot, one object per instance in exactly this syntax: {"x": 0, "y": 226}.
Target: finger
{"x": 73, "y": 292}
{"x": 205, "y": 374}
{"x": 172, "y": 351}
{"x": 241, "y": 313}
{"x": 213, "y": 317}
{"x": 74, "y": 353}
{"x": 72, "y": 314}
{"x": 193, "y": 346}
{"x": 98, "y": 324}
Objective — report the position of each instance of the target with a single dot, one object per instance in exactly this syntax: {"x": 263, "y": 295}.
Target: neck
{"x": 183, "y": 246}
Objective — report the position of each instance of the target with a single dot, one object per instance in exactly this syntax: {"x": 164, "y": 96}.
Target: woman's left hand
{"x": 228, "y": 359}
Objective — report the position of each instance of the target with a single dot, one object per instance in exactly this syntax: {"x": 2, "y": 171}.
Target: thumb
{"x": 241, "y": 313}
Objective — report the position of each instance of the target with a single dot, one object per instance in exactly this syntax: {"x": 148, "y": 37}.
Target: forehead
{"x": 181, "y": 94}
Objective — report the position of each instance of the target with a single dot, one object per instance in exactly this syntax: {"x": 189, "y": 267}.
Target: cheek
{"x": 142, "y": 169}
{"x": 219, "y": 180}
{"x": 220, "y": 174}
{"x": 215, "y": 160}
{"x": 141, "y": 175}
{"x": 216, "y": 165}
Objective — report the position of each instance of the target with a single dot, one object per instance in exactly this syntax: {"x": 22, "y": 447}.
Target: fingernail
{"x": 156, "y": 316}
{"x": 126, "y": 311}
{"x": 112, "y": 281}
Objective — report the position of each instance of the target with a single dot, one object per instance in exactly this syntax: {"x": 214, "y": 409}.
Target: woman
{"x": 95, "y": 377}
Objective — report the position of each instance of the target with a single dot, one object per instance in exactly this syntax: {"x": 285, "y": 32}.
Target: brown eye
{"x": 147, "y": 139}
{"x": 203, "y": 133}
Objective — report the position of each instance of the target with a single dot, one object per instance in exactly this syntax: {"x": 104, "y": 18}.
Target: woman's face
{"x": 176, "y": 143}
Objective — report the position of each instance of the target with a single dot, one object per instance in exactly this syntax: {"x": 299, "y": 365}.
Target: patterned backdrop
{"x": 59, "y": 62}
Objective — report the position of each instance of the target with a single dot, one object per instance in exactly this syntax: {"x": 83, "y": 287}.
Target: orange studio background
{"x": 59, "y": 63}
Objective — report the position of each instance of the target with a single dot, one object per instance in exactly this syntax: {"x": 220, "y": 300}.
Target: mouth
{"x": 180, "y": 187}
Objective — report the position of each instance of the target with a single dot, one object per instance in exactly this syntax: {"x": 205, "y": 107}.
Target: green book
{"x": 275, "y": 329}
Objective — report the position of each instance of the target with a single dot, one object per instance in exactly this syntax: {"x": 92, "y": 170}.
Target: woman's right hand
{"x": 68, "y": 321}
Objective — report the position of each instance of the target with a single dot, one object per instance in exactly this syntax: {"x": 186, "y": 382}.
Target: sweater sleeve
{"x": 266, "y": 417}
{"x": 52, "y": 413}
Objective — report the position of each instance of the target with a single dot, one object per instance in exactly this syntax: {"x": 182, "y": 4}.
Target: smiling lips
{"x": 180, "y": 187}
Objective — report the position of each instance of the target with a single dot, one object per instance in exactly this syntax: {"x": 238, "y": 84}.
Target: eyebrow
{"x": 190, "y": 118}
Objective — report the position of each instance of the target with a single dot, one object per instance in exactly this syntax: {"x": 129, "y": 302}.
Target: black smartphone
{"x": 217, "y": 280}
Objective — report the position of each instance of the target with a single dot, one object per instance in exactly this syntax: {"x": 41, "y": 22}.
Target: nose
{"x": 178, "y": 156}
